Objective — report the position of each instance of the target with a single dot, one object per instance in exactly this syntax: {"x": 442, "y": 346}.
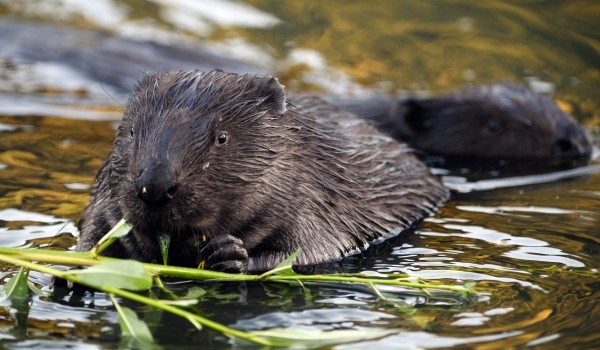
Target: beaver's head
{"x": 193, "y": 147}
{"x": 503, "y": 121}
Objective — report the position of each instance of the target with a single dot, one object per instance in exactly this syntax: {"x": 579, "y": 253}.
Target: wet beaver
{"x": 501, "y": 121}
{"x": 230, "y": 158}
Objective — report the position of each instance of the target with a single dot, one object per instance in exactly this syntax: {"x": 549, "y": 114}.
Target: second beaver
{"x": 230, "y": 158}
{"x": 490, "y": 122}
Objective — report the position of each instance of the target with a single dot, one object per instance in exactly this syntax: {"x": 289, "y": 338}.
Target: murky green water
{"x": 535, "y": 249}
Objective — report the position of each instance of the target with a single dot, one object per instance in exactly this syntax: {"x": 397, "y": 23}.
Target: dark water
{"x": 533, "y": 250}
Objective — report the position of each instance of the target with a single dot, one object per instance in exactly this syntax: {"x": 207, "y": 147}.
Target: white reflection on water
{"x": 493, "y": 236}
{"x": 32, "y": 77}
{"x": 546, "y": 254}
{"x": 26, "y": 105}
{"x": 222, "y": 13}
{"x": 531, "y": 249}
{"x": 324, "y": 319}
{"x": 12, "y": 214}
{"x": 45, "y": 344}
{"x": 52, "y": 226}
{"x": 7, "y": 127}
{"x": 424, "y": 340}
{"x": 102, "y": 13}
{"x": 502, "y": 209}
{"x": 461, "y": 184}
{"x": 20, "y": 237}
{"x": 77, "y": 186}
{"x": 477, "y": 318}
{"x": 466, "y": 276}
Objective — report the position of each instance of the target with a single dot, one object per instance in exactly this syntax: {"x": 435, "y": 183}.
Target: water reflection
{"x": 426, "y": 340}
{"x": 324, "y": 319}
{"x": 50, "y": 345}
{"x": 463, "y": 185}
{"x": 17, "y": 233}
{"x": 528, "y": 248}
{"x": 12, "y": 214}
{"x": 188, "y": 15}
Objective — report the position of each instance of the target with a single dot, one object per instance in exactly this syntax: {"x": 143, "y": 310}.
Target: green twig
{"x": 119, "y": 230}
{"x": 85, "y": 259}
{"x": 194, "y": 319}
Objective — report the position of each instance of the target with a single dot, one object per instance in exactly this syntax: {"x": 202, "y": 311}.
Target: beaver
{"x": 490, "y": 122}
{"x": 240, "y": 175}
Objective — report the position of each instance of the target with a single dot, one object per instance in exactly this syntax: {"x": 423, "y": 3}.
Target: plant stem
{"x": 32, "y": 266}
{"x": 188, "y": 315}
{"x": 353, "y": 279}
{"x": 144, "y": 300}
{"x": 53, "y": 256}
{"x": 86, "y": 259}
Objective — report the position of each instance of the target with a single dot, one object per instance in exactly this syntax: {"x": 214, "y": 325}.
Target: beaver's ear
{"x": 274, "y": 95}
{"x": 416, "y": 116}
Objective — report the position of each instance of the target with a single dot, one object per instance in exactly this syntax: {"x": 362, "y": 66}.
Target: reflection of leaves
{"x": 125, "y": 274}
{"x": 286, "y": 297}
{"x": 190, "y": 298}
{"x": 152, "y": 317}
{"x": 306, "y": 337}
{"x": 212, "y": 292}
{"x": 194, "y": 293}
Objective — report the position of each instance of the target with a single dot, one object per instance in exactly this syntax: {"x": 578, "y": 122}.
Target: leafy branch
{"x": 118, "y": 277}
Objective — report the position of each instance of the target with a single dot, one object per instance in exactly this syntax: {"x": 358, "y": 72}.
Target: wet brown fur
{"x": 292, "y": 174}
{"x": 501, "y": 121}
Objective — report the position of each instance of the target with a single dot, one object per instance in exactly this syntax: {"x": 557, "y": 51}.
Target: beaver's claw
{"x": 224, "y": 253}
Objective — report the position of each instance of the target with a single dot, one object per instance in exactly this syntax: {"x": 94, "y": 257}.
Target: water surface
{"x": 533, "y": 249}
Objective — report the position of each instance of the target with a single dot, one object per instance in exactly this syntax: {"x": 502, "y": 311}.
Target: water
{"x": 532, "y": 249}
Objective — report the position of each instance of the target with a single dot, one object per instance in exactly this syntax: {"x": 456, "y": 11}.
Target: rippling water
{"x": 533, "y": 250}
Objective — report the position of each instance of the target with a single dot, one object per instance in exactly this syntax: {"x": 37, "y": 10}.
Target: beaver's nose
{"x": 155, "y": 187}
{"x": 573, "y": 142}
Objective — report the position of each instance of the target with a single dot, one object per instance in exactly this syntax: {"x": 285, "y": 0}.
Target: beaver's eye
{"x": 221, "y": 139}
{"x": 493, "y": 127}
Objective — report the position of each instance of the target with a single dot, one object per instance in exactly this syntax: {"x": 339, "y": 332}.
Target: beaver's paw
{"x": 224, "y": 253}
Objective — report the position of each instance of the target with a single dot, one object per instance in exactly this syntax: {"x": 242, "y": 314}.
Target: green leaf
{"x": 164, "y": 241}
{"x": 309, "y": 338}
{"x": 38, "y": 291}
{"x": 16, "y": 289}
{"x": 119, "y": 230}
{"x": 134, "y": 331}
{"x": 285, "y": 267}
{"x": 125, "y": 274}
{"x": 132, "y": 326}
